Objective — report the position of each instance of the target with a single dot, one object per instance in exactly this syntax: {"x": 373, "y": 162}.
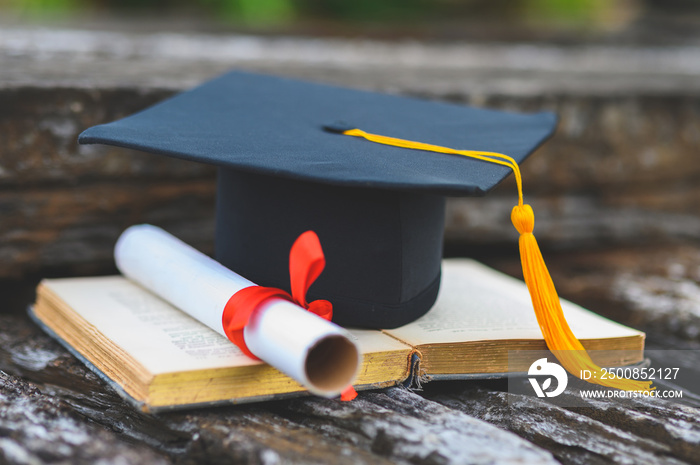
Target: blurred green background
{"x": 652, "y": 21}
{"x": 278, "y": 11}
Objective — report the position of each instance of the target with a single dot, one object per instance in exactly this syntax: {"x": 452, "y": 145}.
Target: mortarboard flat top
{"x": 378, "y": 210}
{"x": 274, "y": 126}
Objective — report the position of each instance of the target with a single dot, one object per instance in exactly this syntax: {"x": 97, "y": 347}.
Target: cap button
{"x": 523, "y": 218}
{"x": 337, "y": 127}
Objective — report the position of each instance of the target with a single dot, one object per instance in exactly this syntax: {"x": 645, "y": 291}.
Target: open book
{"x": 160, "y": 358}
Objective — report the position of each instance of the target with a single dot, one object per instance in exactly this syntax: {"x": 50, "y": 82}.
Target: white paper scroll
{"x": 317, "y": 353}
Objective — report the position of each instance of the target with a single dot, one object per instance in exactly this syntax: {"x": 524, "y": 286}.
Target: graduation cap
{"x": 283, "y": 169}
{"x": 286, "y": 165}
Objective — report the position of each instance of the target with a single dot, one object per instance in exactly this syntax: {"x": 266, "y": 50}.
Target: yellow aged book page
{"x": 477, "y": 303}
{"x": 481, "y": 314}
{"x": 163, "y": 339}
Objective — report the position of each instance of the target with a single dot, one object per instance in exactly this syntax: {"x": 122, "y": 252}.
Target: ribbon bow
{"x": 306, "y": 262}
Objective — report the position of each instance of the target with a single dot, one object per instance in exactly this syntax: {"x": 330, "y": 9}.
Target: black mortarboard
{"x": 378, "y": 210}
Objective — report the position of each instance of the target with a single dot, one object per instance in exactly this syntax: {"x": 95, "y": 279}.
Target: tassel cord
{"x": 490, "y": 157}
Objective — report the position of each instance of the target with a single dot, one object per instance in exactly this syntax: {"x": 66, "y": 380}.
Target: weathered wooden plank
{"x": 591, "y": 219}
{"x": 76, "y": 228}
{"x": 398, "y": 424}
{"x": 393, "y": 426}
{"x": 621, "y": 168}
{"x": 601, "y": 432}
{"x": 37, "y": 428}
{"x": 451, "y": 422}
{"x": 73, "y": 229}
{"x": 672, "y": 424}
{"x": 640, "y": 144}
{"x": 40, "y": 130}
{"x": 164, "y": 60}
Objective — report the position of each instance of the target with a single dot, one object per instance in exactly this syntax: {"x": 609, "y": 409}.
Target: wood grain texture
{"x": 599, "y": 432}
{"x": 621, "y": 168}
{"x": 51, "y": 407}
{"x": 76, "y": 228}
{"x": 390, "y": 426}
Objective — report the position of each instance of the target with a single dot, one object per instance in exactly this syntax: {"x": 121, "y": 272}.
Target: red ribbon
{"x": 306, "y": 262}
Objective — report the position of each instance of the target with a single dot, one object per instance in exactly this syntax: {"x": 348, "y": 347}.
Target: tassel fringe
{"x": 557, "y": 334}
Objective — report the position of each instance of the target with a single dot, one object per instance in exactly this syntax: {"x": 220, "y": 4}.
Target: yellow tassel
{"x": 557, "y": 334}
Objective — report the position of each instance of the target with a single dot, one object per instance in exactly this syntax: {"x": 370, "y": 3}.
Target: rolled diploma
{"x": 281, "y": 334}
